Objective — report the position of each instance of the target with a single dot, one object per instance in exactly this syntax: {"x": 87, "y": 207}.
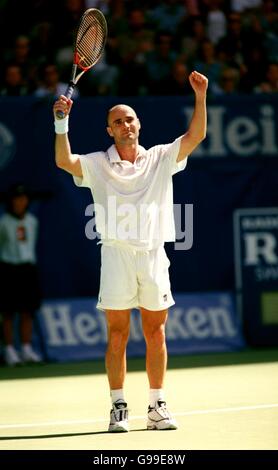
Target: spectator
{"x": 256, "y": 66}
{"x": 270, "y": 84}
{"x": 242, "y": 5}
{"x": 191, "y": 34}
{"x": 208, "y": 64}
{"x": 159, "y": 62}
{"x": 269, "y": 22}
{"x": 64, "y": 31}
{"x": 216, "y": 22}
{"x": 228, "y": 82}
{"x": 43, "y": 42}
{"x": 21, "y": 56}
{"x": 102, "y": 80}
{"x": 178, "y": 84}
{"x": 20, "y": 286}
{"x": 21, "y": 53}
{"x": 168, "y": 15}
{"x": 13, "y": 82}
{"x": 133, "y": 48}
{"x": 232, "y": 45}
{"x": 51, "y": 86}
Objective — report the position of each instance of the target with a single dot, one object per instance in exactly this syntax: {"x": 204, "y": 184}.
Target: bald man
{"x": 132, "y": 192}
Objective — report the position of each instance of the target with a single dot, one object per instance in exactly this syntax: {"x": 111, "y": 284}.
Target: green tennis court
{"x": 221, "y": 401}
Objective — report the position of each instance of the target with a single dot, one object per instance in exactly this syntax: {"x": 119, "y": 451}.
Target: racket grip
{"x": 69, "y": 92}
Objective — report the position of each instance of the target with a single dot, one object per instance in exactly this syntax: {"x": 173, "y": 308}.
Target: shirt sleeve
{"x": 87, "y": 162}
{"x": 171, "y": 152}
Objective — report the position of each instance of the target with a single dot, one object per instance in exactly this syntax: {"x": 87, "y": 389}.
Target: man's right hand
{"x": 62, "y": 104}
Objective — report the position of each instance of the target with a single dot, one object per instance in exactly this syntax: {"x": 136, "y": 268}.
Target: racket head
{"x": 90, "y": 39}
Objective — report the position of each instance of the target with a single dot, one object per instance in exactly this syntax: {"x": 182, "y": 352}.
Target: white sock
{"x": 117, "y": 395}
{"x": 26, "y": 346}
{"x": 155, "y": 395}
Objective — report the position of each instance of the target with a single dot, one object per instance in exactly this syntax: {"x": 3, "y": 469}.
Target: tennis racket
{"x": 89, "y": 44}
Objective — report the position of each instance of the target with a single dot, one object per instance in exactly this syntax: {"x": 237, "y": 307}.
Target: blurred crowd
{"x": 152, "y": 46}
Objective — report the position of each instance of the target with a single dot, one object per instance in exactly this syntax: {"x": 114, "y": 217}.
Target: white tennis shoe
{"x": 11, "y": 356}
{"x": 159, "y": 417}
{"x": 119, "y": 417}
{"x": 29, "y": 355}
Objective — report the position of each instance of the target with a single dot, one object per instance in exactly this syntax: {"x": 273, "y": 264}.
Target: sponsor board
{"x": 238, "y": 130}
{"x": 256, "y": 270}
{"x": 74, "y": 329}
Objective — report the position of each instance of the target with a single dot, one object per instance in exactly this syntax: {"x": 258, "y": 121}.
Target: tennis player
{"x": 134, "y": 265}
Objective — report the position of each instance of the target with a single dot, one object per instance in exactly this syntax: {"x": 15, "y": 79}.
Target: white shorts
{"x": 132, "y": 279}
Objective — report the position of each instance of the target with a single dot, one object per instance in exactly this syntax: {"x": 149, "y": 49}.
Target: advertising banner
{"x": 256, "y": 264}
{"x": 73, "y": 330}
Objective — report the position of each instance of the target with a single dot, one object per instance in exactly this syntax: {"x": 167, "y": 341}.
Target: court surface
{"x": 227, "y": 401}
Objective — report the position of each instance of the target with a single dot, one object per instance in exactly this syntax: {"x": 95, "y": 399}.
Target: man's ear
{"x": 139, "y": 123}
{"x": 109, "y": 130}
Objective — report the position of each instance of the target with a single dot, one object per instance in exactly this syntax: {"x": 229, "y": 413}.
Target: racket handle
{"x": 69, "y": 92}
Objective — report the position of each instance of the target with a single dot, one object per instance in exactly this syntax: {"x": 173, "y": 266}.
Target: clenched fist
{"x": 199, "y": 83}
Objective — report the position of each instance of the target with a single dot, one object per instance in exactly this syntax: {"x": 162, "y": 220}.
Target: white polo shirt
{"x": 18, "y": 239}
{"x": 133, "y": 202}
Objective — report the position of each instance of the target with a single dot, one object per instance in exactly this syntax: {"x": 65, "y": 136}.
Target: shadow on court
{"x": 247, "y": 356}
{"x": 62, "y": 435}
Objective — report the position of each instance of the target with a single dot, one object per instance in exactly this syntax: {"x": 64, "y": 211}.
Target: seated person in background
{"x": 13, "y": 82}
{"x": 20, "y": 291}
{"x": 50, "y": 85}
{"x": 270, "y": 84}
{"x": 228, "y": 83}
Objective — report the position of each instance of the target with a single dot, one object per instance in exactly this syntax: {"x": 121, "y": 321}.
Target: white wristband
{"x": 62, "y": 125}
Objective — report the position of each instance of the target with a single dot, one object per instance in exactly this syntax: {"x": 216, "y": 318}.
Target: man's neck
{"x": 128, "y": 152}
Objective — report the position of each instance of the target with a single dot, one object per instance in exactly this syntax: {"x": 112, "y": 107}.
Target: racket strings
{"x": 90, "y": 39}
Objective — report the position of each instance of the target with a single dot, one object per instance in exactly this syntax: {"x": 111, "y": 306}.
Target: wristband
{"x": 62, "y": 125}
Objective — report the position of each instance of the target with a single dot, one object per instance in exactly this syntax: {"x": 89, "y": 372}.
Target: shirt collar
{"x": 114, "y": 157}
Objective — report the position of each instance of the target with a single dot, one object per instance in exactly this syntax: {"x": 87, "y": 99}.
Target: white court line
{"x": 102, "y": 420}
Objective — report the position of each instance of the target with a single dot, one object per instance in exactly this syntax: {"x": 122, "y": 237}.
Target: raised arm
{"x": 198, "y": 125}
{"x": 63, "y": 156}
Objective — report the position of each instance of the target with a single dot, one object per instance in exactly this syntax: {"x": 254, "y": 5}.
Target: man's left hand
{"x": 199, "y": 83}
